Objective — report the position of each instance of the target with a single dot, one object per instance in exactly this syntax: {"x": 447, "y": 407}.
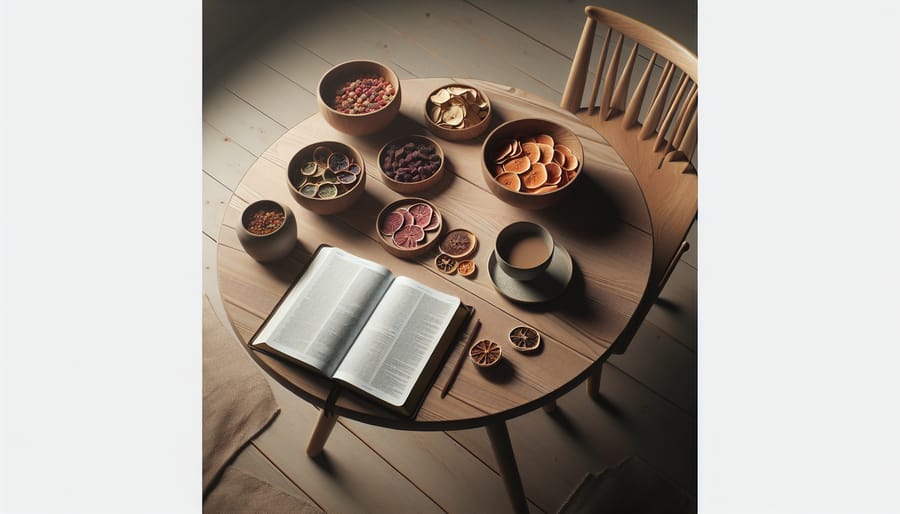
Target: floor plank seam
{"x": 230, "y": 138}
{"x": 292, "y": 81}
{"x": 288, "y": 477}
{"x": 650, "y": 389}
{"x": 210, "y": 175}
{"x": 539, "y": 42}
{"x": 389, "y": 463}
{"x": 255, "y": 108}
{"x": 488, "y": 466}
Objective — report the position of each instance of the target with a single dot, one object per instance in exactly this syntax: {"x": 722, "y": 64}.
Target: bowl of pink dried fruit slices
{"x": 409, "y": 227}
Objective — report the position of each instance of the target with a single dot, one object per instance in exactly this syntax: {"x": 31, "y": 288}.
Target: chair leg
{"x": 318, "y": 438}
{"x": 593, "y": 383}
{"x": 506, "y": 460}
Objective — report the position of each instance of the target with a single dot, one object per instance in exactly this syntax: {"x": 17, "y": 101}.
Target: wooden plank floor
{"x": 265, "y": 84}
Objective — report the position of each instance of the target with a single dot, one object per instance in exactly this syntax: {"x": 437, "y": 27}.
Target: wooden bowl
{"x": 334, "y": 204}
{"x": 517, "y": 130}
{"x": 273, "y": 245}
{"x": 431, "y": 236}
{"x": 457, "y": 134}
{"x": 417, "y": 186}
{"x": 356, "y": 124}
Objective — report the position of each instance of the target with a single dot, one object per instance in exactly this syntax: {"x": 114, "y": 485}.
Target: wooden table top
{"x": 605, "y": 227}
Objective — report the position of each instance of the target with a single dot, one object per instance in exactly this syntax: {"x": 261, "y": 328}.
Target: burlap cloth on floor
{"x": 238, "y": 492}
{"x": 237, "y": 401}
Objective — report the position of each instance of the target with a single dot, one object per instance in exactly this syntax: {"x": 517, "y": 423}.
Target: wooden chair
{"x": 647, "y": 111}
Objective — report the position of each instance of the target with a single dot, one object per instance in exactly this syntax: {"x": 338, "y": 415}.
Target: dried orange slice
{"x": 545, "y": 139}
{"x": 510, "y": 181}
{"x": 505, "y": 150}
{"x": 466, "y": 267}
{"x": 445, "y": 264}
{"x": 536, "y": 177}
{"x": 571, "y": 163}
{"x": 546, "y": 153}
{"x": 544, "y": 189}
{"x": 570, "y": 175}
{"x": 527, "y": 139}
{"x": 517, "y": 165}
{"x": 524, "y": 339}
{"x": 459, "y": 243}
{"x": 563, "y": 149}
{"x": 485, "y": 353}
{"x": 532, "y": 151}
{"x": 554, "y": 173}
{"x": 558, "y": 157}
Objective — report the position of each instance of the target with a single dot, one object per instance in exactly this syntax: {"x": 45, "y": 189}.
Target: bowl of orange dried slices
{"x": 531, "y": 163}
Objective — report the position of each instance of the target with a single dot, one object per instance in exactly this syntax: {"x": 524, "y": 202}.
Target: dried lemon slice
{"x": 466, "y": 268}
{"x": 309, "y": 190}
{"x": 485, "y": 353}
{"x": 330, "y": 177}
{"x": 446, "y": 264}
{"x": 309, "y": 169}
{"x": 327, "y": 191}
{"x": 321, "y": 154}
{"x": 524, "y": 339}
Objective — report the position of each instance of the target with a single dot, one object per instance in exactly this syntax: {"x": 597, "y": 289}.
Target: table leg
{"x": 593, "y": 383}
{"x": 320, "y": 433}
{"x": 503, "y": 452}
{"x": 550, "y": 407}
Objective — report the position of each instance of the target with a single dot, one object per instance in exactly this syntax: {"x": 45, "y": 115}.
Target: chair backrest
{"x": 653, "y": 128}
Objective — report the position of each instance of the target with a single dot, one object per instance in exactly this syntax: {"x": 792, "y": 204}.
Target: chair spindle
{"x": 670, "y": 114}
{"x": 621, "y": 91}
{"x": 604, "y": 49}
{"x": 637, "y": 99}
{"x": 606, "y": 95}
{"x": 656, "y": 107}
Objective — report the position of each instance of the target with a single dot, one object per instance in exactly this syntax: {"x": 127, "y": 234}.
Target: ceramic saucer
{"x": 546, "y": 287}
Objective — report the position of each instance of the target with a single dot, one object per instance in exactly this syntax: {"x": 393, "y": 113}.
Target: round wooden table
{"x": 604, "y": 225}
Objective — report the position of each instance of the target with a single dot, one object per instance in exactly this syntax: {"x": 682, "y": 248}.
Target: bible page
{"x": 397, "y": 342}
{"x": 326, "y": 309}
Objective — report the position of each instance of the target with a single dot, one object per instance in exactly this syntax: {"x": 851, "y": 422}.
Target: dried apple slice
{"x": 485, "y": 353}
{"x": 441, "y": 96}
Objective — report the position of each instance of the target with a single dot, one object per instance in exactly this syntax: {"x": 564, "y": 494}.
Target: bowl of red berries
{"x": 359, "y": 97}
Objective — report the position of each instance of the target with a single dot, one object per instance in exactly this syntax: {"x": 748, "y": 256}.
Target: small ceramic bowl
{"x": 436, "y": 108}
{"x": 554, "y": 180}
{"x": 358, "y": 124}
{"x": 328, "y": 171}
{"x": 268, "y": 230}
{"x": 391, "y": 232}
{"x": 391, "y": 154}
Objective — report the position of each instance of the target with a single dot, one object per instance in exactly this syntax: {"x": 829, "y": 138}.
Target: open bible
{"x": 352, "y": 320}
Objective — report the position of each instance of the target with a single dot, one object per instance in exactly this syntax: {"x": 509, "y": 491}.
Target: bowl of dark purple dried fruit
{"x": 409, "y": 227}
{"x": 411, "y": 164}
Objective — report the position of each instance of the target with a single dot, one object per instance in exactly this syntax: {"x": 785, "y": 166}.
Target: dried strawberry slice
{"x": 409, "y": 236}
{"x": 421, "y": 213}
{"x": 391, "y": 223}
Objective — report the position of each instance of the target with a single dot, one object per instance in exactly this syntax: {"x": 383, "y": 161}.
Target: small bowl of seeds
{"x": 457, "y": 112}
{"x": 410, "y": 164}
{"x": 359, "y": 97}
{"x": 327, "y": 177}
{"x": 268, "y": 230}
